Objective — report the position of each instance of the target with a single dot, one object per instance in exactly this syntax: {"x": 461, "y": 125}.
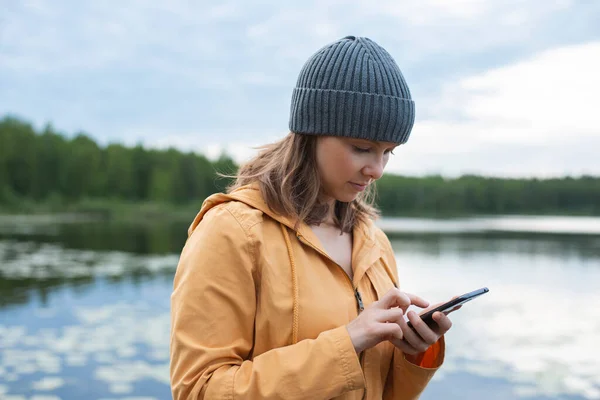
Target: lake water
{"x": 84, "y": 306}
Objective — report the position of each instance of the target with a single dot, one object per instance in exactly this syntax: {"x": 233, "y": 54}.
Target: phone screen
{"x": 450, "y": 305}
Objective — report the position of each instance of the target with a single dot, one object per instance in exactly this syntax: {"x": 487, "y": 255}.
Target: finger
{"x": 405, "y": 346}
{"x": 433, "y": 306}
{"x": 457, "y": 307}
{"x": 394, "y": 298}
{"x": 452, "y": 310}
{"x": 443, "y": 323}
{"x": 412, "y": 336}
{"x": 393, "y": 317}
{"x": 425, "y": 332}
{"x": 439, "y": 304}
{"x": 391, "y": 331}
{"x": 390, "y": 315}
{"x": 417, "y": 301}
{"x": 397, "y": 298}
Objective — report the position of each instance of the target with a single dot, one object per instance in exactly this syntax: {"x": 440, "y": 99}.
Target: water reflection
{"x": 119, "y": 346}
{"x": 536, "y": 329}
{"x": 31, "y": 268}
{"x": 144, "y": 237}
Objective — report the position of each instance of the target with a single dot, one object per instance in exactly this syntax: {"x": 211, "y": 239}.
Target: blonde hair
{"x": 289, "y": 181}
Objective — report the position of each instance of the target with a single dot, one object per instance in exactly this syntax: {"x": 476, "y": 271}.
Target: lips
{"x": 359, "y": 186}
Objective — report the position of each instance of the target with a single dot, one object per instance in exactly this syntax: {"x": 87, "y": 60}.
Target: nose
{"x": 374, "y": 169}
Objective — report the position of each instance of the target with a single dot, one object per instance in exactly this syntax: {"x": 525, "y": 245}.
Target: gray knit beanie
{"x": 352, "y": 88}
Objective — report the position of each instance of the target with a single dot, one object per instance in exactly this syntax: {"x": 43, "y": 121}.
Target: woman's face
{"x": 347, "y": 165}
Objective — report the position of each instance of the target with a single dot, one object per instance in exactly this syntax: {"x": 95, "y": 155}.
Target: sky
{"x": 502, "y": 87}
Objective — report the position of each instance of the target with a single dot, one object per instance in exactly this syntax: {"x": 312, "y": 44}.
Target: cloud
{"x": 99, "y": 35}
{"x": 538, "y": 116}
{"x": 551, "y": 95}
{"x": 74, "y": 35}
{"x": 455, "y": 154}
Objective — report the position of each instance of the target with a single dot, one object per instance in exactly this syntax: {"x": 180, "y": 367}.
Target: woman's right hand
{"x": 372, "y": 326}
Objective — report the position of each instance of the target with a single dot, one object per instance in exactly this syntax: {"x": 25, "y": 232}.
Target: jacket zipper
{"x": 359, "y": 302}
{"x": 361, "y": 307}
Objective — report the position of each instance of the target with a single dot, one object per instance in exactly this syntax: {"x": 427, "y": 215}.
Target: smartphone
{"x": 450, "y": 306}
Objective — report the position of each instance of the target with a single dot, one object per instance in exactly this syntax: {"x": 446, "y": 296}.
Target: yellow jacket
{"x": 259, "y": 311}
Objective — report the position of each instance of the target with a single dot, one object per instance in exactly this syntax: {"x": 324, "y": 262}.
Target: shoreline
{"x": 393, "y": 226}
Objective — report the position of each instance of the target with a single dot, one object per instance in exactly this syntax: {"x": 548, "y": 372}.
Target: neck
{"x": 330, "y": 216}
{"x": 330, "y": 202}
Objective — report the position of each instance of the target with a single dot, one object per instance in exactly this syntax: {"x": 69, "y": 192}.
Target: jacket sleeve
{"x": 213, "y": 307}
{"x": 405, "y": 380}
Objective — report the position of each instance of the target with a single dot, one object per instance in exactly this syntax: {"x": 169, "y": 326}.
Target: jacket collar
{"x": 365, "y": 247}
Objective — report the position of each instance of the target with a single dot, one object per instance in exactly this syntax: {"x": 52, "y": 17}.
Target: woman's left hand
{"x": 419, "y": 339}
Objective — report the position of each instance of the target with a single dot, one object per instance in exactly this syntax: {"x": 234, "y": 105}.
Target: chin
{"x": 346, "y": 197}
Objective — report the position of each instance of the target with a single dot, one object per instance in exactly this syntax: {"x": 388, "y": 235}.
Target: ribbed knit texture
{"x": 352, "y": 88}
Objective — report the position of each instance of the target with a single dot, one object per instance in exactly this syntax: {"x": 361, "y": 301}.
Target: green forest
{"x": 50, "y": 171}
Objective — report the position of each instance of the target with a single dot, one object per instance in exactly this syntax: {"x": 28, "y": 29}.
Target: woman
{"x": 285, "y": 288}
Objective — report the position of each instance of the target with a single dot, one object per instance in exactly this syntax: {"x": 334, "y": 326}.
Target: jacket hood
{"x": 367, "y": 238}
{"x": 249, "y": 195}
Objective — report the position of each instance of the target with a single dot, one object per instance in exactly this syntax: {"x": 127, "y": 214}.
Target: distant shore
{"x": 119, "y": 210}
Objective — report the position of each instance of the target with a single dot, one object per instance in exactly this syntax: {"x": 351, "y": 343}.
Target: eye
{"x": 361, "y": 149}
{"x": 390, "y": 151}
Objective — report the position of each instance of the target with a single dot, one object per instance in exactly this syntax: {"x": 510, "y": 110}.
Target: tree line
{"x": 37, "y": 165}
{"x": 46, "y": 164}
